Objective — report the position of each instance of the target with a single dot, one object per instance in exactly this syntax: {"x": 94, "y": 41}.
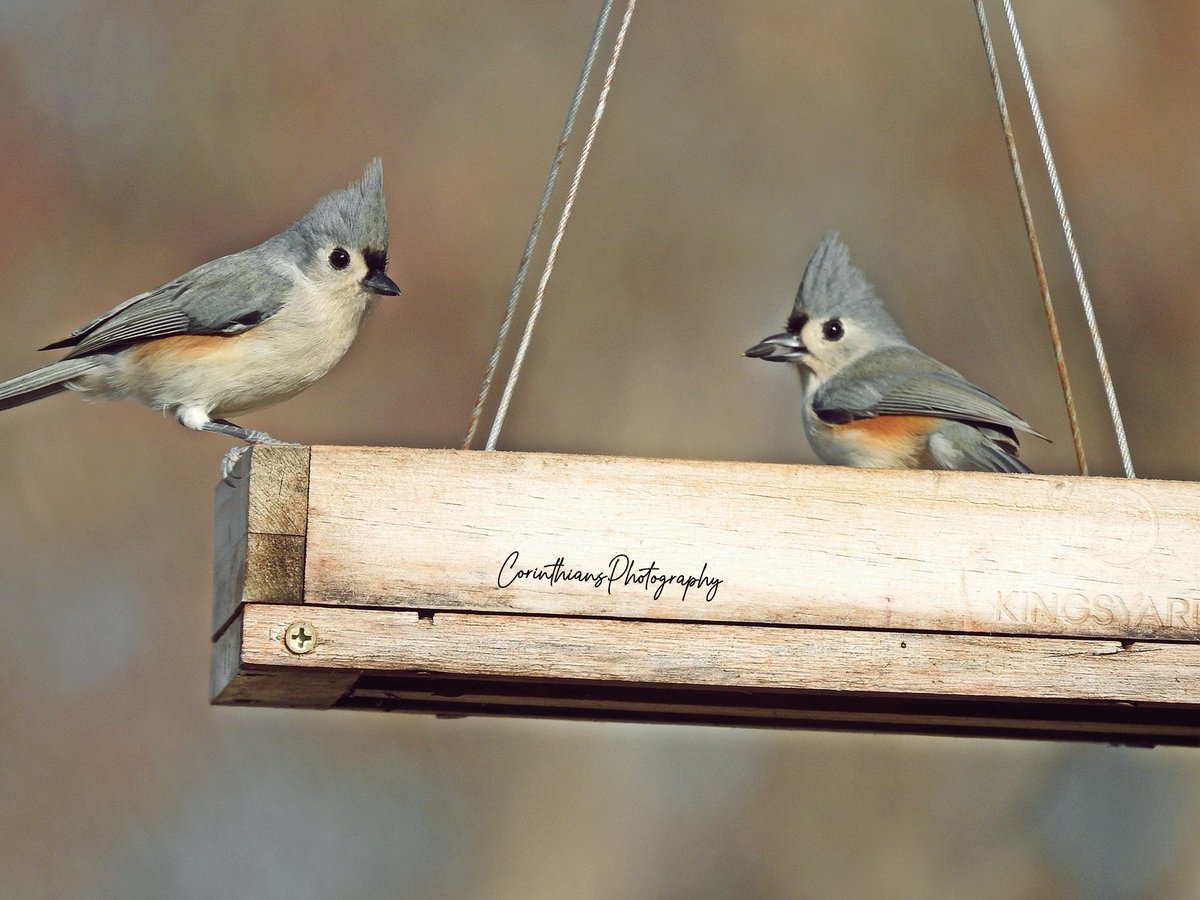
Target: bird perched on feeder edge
{"x": 240, "y": 332}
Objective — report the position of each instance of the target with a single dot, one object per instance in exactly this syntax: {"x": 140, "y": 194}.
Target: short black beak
{"x": 377, "y": 282}
{"x": 785, "y": 347}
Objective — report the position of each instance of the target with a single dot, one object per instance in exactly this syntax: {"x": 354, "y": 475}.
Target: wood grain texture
{"x": 278, "y": 491}
{"x": 456, "y": 664}
{"x": 741, "y": 657}
{"x": 261, "y": 516}
{"x": 235, "y": 684}
{"x": 812, "y": 545}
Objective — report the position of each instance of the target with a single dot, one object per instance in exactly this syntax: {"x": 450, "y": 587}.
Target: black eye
{"x": 833, "y": 330}
{"x": 339, "y": 258}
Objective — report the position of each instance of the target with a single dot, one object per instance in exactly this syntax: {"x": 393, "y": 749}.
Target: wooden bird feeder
{"x": 578, "y": 587}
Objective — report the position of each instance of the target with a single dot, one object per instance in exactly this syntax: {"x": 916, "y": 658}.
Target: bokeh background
{"x": 138, "y": 139}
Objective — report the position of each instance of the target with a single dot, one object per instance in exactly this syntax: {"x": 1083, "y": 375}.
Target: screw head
{"x": 300, "y": 638}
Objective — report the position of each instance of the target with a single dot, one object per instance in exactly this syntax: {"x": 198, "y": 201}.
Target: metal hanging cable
{"x": 1034, "y": 247}
{"x": 523, "y": 347}
{"x": 551, "y": 179}
{"x": 1085, "y": 297}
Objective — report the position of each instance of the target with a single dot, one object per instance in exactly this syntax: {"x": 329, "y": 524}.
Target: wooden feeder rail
{"x": 821, "y": 597}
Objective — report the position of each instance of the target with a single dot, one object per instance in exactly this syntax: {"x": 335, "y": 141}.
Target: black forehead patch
{"x": 796, "y": 322}
{"x": 376, "y": 259}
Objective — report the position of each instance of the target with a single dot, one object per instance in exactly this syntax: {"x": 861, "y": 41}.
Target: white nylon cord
{"x": 1034, "y": 247}
{"x": 1113, "y": 409}
{"x": 551, "y": 179}
{"x": 523, "y": 348}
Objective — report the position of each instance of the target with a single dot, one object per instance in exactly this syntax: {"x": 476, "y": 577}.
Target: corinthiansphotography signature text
{"x": 622, "y": 570}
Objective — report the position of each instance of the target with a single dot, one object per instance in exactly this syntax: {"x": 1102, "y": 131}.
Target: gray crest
{"x": 834, "y": 287}
{"x": 355, "y": 216}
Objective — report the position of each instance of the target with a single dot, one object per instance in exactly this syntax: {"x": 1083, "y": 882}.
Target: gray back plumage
{"x": 355, "y": 216}
{"x": 893, "y": 378}
{"x": 834, "y": 287}
{"x": 236, "y": 292}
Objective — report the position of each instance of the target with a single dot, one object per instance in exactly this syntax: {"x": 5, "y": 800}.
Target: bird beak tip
{"x": 777, "y": 348}
{"x": 380, "y": 283}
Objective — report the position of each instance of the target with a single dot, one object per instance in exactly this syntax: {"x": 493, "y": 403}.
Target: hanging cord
{"x": 523, "y": 348}
{"x": 551, "y": 178}
{"x": 1085, "y": 297}
{"x": 1034, "y": 247}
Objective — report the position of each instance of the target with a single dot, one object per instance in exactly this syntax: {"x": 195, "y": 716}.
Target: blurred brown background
{"x": 139, "y": 139}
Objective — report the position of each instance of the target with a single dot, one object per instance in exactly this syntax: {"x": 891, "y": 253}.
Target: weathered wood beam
{"x": 728, "y": 593}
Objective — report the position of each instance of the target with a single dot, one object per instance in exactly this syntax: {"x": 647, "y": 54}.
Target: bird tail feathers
{"x": 990, "y": 457}
{"x": 43, "y": 382}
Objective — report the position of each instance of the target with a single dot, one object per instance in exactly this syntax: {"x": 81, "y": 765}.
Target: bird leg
{"x": 249, "y": 435}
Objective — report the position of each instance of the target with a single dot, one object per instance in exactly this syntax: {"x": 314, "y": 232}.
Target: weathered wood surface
{"x": 259, "y": 532}
{"x": 234, "y": 684}
{"x": 921, "y": 602}
{"x": 730, "y": 656}
{"x": 797, "y": 545}
{"x": 467, "y": 663}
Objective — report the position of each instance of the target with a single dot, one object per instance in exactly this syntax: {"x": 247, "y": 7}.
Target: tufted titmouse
{"x": 870, "y": 397}
{"x": 240, "y": 332}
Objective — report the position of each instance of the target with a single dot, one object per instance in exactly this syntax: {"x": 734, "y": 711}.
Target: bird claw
{"x": 234, "y": 455}
{"x": 261, "y": 437}
{"x": 229, "y": 461}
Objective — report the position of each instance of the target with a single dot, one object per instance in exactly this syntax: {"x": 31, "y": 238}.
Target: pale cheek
{"x": 820, "y": 368}
{"x": 343, "y": 284}
{"x": 824, "y": 357}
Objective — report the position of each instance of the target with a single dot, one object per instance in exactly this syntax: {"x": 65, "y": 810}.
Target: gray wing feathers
{"x": 845, "y": 399}
{"x": 73, "y": 338}
{"x": 992, "y": 458}
{"x": 957, "y": 445}
{"x": 903, "y": 381}
{"x": 225, "y": 296}
{"x": 43, "y": 382}
{"x": 950, "y": 397}
{"x": 153, "y": 315}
